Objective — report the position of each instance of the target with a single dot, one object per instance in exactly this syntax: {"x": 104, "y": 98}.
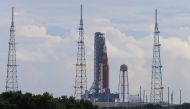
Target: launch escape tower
{"x": 81, "y": 79}
{"x": 11, "y": 79}
{"x": 156, "y": 95}
{"x": 123, "y": 84}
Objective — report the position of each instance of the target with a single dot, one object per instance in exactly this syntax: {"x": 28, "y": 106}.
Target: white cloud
{"x": 31, "y": 56}
{"x": 102, "y": 20}
{"x": 45, "y": 45}
{"x": 177, "y": 47}
{"x": 32, "y": 31}
{"x": 53, "y": 42}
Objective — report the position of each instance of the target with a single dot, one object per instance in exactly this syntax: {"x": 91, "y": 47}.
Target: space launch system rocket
{"x": 101, "y": 67}
{"x": 105, "y": 72}
{"x": 99, "y": 90}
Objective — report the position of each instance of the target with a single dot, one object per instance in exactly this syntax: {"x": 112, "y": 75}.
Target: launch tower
{"x": 81, "y": 79}
{"x": 11, "y": 79}
{"x": 156, "y": 95}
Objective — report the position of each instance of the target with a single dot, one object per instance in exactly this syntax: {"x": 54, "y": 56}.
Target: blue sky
{"x": 47, "y": 31}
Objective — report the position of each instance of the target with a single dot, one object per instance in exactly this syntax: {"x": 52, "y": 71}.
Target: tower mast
{"x": 11, "y": 79}
{"x": 81, "y": 79}
{"x": 156, "y": 95}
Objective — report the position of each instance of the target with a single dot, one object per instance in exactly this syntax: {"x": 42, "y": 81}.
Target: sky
{"x": 47, "y": 33}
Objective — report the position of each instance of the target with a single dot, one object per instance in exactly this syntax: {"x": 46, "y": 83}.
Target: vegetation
{"x": 17, "y": 100}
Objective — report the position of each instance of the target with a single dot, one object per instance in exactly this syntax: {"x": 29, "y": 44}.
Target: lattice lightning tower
{"x": 156, "y": 95}
{"x": 11, "y": 80}
{"x": 81, "y": 79}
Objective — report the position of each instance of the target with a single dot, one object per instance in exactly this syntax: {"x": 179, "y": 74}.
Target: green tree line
{"x": 18, "y": 100}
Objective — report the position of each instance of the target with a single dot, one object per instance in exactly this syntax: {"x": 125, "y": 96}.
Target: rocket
{"x": 105, "y": 72}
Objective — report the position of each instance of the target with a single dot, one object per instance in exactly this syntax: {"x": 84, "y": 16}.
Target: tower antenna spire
{"x": 81, "y": 17}
{"x": 12, "y": 23}
{"x": 156, "y": 17}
